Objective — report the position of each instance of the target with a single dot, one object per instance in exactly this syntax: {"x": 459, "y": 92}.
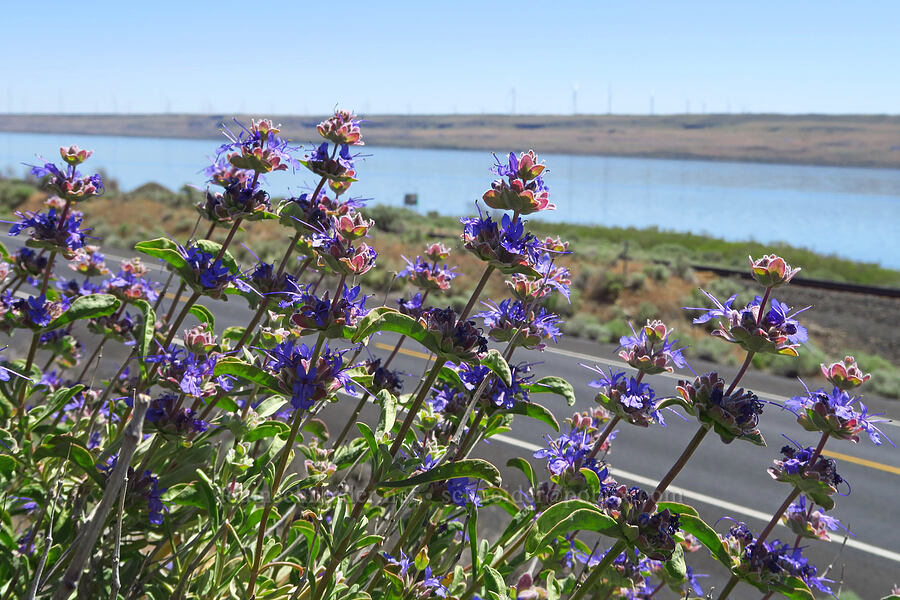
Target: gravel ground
{"x": 849, "y": 320}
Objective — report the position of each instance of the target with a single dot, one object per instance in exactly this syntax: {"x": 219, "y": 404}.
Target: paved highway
{"x": 721, "y": 480}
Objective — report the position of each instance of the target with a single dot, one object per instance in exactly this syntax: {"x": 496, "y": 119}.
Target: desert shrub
{"x": 390, "y": 219}
{"x": 657, "y": 272}
{"x": 635, "y": 281}
{"x": 682, "y": 269}
{"x": 706, "y": 348}
{"x": 886, "y": 383}
{"x": 806, "y": 365}
{"x": 885, "y": 375}
{"x": 646, "y": 311}
{"x": 577, "y": 323}
{"x": 605, "y": 287}
{"x": 13, "y": 194}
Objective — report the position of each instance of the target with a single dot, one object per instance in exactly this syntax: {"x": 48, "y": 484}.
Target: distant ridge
{"x": 832, "y": 140}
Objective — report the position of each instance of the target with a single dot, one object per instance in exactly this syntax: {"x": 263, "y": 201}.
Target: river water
{"x": 851, "y": 212}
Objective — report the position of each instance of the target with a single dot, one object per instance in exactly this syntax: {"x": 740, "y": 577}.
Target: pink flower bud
{"x": 437, "y": 252}
{"x": 656, "y": 331}
{"x": 340, "y": 187}
{"x": 264, "y": 127}
{"x": 362, "y": 260}
{"x": 352, "y": 226}
{"x": 525, "y": 582}
{"x": 342, "y": 128}
{"x": 135, "y": 266}
{"x": 772, "y": 270}
{"x": 845, "y": 375}
{"x": 554, "y": 244}
{"x": 74, "y": 155}
{"x": 55, "y": 202}
{"x": 529, "y": 168}
{"x": 199, "y": 339}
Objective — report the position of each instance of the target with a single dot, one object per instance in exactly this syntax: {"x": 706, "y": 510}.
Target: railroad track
{"x": 811, "y": 283}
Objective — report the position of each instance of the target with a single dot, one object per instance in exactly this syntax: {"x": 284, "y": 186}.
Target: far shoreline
{"x": 856, "y": 141}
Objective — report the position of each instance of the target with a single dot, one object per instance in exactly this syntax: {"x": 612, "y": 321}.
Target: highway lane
{"x": 721, "y": 480}
{"x": 726, "y": 474}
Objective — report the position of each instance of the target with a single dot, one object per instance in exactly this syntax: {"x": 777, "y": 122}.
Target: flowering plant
{"x": 222, "y": 459}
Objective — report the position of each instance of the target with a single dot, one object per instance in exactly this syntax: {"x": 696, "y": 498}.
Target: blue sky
{"x": 469, "y": 57}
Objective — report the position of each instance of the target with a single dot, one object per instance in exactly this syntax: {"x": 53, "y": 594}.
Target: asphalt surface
{"x": 721, "y": 480}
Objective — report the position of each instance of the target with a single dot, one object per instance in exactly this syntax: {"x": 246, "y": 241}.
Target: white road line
{"x": 730, "y": 507}
{"x": 674, "y": 376}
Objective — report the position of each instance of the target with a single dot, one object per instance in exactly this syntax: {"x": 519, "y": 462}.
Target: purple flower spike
{"x": 48, "y": 231}
{"x": 428, "y": 275}
{"x": 209, "y": 276}
{"x": 505, "y": 246}
{"x": 810, "y": 524}
{"x": 163, "y": 414}
{"x": 258, "y": 148}
{"x": 817, "y": 478}
{"x": 463, "y": 490}
{"x": 626, "y": 398}
{"x": 775, "y": 332}
{"x": 318, "y": 314}
{"x": 36, "y": 313}
{"x": 240, "y": 200}
{"x": 511, "y": 322}
{"x": 735, "y": 416}
{"x": 306, "y": 382}
{"x": 523, "y": 190}
{"x": 651, "y": 351}
{"x": 771, "y": 563}
{"x": 837, "y": 413}
{"x": 143, "y": 489}
{"x": 340, "y": 167}
{"x": 70, "y": 185}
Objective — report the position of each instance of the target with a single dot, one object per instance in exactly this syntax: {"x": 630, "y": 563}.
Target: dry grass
{"x": 837, "y": 140}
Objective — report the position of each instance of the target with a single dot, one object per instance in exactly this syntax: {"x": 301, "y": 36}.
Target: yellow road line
{"x": 862, "y": 461}
{"x": 412, "y": 353}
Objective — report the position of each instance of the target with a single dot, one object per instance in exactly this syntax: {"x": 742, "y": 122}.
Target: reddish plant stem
{"x": 15, "y": 279}
{"x": 470, "y": 434}
{"x": 175, "y": 300}
{"x": 728, "y": 587}
{"x": 793, "y": 495}
{"x": 676, "y": 469}
{"x": 597, "y": 573}
{"x": 740, "y": 373}
{"x": 47, "y": 273}
{"x": 762, "y": 306}
{"x": 209, "y": 232}
{"x": 225, "y": 244}
{"x": 270, "y": 503}
{"x": 476, "y": 293}
{"x": 606, "y": 433}
{"x": 87, "y": 364}
{"x": 298, "y": 235}
{"x": 416, "y": 405}
{"x": 32, "y": 350}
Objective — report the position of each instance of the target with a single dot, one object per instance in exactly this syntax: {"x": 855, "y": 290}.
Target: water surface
{"x": 851, "y": 212}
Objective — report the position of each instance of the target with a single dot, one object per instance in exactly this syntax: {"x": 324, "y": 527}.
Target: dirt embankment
{"x": 847, "y": 320}
{"x": 834, "y": 140}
